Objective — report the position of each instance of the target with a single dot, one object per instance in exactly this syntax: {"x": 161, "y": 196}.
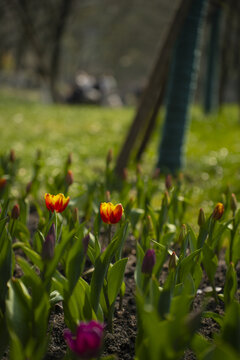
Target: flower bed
{"x": 87, "y": 277}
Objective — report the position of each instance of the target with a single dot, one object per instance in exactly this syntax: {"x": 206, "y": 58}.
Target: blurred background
{"x": 60, "y": 46}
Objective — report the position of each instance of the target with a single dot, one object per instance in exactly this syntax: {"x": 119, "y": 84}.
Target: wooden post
{"x": 153, "y": 88}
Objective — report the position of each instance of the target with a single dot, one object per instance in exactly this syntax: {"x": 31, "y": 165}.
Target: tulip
{"x": 148, "y": 261}
{"x": 218, "y": 211}
{"x": 49, "y": 244}
{"x": 56, "y": 203}
{"x": 87, "y": 342}
{"x": 111, "y": 214}
{"x": 15, "y": 212}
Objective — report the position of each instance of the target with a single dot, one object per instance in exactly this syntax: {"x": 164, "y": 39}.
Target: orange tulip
{"x": 218, "y": 211}
{"x": 111, "y": 214}
{"x": 56, "y": 202}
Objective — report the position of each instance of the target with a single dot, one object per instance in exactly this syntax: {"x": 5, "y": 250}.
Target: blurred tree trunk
{"x": 181, "y": 86}
{"x": 47, "y": 50}
{"x": 211, "y": 86}
{"x": 56, "y": 51}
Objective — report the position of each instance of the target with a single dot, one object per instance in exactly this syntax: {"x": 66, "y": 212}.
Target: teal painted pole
{"x": 181, "y": 86}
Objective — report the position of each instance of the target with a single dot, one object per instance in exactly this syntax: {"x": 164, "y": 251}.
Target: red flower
{"x": 111, "y": 214}
{"x": 56, "y": 202}
{"x": 87, "y": 342}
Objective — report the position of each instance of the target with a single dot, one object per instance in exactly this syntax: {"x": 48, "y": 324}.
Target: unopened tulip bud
{"x": 173, "y": 261}
{"x": 3, "y": 183}
{"x": 85, "y": 241}
{"x": 29, "y": 187}
{"x": 233, "y": 203}
{"x": 168, "y": 181}
{"x": 109, "y": 157}
{"x": 49, "y": 244}
{"x": 218, "y": 211}
{"x": 15, "y": 212}
{"x": 108, "y": 196}
{"x": 149, "y": 261}
{"x": 75, "y": 214}
{"x": 182, "y": 233}
{"x": 69, "y": 178}
{"x": 201, "y": 218}
{"x": 12, "y": 156}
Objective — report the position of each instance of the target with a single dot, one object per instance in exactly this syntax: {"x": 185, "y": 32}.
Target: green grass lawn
{"x": 213, "y": 146}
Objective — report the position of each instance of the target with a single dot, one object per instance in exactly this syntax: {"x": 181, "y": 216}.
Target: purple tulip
{"x": 148, "y": 261}
{"x": 87, "y": 342}
{"x": 49, "y": 244}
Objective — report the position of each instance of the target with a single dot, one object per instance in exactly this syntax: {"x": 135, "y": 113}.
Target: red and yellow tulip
{"x": 56, "y": 203}
{"x": 111, "y": 214}
{"x": 218, "y": 211}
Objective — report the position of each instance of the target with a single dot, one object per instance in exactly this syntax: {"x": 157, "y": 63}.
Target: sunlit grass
{"x": 213, "y": 147}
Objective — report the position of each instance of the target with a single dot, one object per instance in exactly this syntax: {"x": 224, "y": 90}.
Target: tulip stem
{"x": 231, "y": 241}
{"x": 56, "y": 223}
{"x": 109, "y": 233}
{"x": 109, "y": 316}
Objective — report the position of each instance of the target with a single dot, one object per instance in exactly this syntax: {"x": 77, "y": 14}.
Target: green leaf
{"x": 4, "y": 336}
{"x": 77, "y": 307}
{"x": 187, "y": 265}
{"x": 18, "y": 310}
{"x": 115, "y": 279}
{"x": 215, "y": 316}
{"x": 55, "y": 297}
{"x": 101, "y": 266}
{"x": 210, "y": 262}
{"x": 203, "y": 233}
{"x": 230, "y": 287}
{"x": 135, "y": 216}
{"x": 5, "y": 268}
{"x": 192, "y": 240}
{"x": 230, "y": 333}
{"x": 30, "y": 253}
{"x": 58, "y": 252}
{"x": 2, "y": 226}
{"x": 164, "y": 303}
{"x": 75, "y": 259}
